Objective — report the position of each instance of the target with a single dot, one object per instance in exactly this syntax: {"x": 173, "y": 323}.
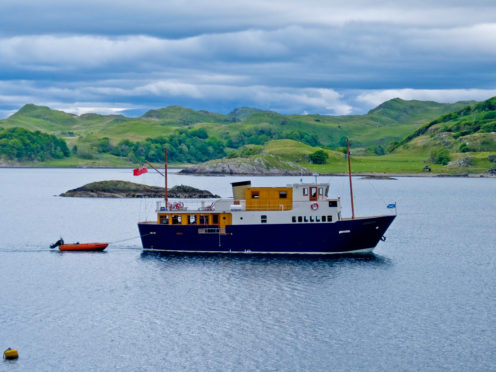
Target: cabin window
{"x": 192, "y": 219}
{"x": 164, "y": 220}
{"x": 323, "y": 218}
{"x": 263, "y": 219}
{"x": 333, "y": 203}
{"x": 255, "y": 195}
{"x": 300, "y": 219}
{"x": 329, "y": 218}
{"x": 317, "y": 218}
{"x": 176, "y": 220}
{"x": 283, "y": 194}
{"x": 215, "y": 219}
{"x": 305, "y": 219}
{"x": 293, "y": 218}
{"x": 311, "y": 218}
{"x": 203, "y": 220}
{"x": 321, "y": 191}
{"x": 305, "y": 191}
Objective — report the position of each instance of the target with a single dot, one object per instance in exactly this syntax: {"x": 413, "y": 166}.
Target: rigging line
{"x": 124, "y": 240}
{"x": 376, "y": 192}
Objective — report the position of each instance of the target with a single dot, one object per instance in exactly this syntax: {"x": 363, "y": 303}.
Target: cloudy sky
{"x": 313, "y": 56}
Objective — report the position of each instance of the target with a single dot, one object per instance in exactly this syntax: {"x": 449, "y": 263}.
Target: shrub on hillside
{"x": 440, "y": 156}
{"x": 319, "y": 157}
{"x": 379, "y": 150}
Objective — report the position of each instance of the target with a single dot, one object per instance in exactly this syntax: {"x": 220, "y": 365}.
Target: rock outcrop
{"x": 124, "y": 189}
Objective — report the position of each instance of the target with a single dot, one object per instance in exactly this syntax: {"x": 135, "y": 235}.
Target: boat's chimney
{"x": 239, "y": 189}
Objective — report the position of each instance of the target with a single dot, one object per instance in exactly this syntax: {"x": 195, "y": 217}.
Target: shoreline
{"x": 380, "y": 175}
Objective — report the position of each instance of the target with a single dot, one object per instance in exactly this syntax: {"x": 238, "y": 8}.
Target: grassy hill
{"x": 462, "y": 140}
{"x": 416, "y": 130}
{"x": 390, "y": 121}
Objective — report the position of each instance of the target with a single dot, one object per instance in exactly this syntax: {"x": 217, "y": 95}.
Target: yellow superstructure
{"x": 269, "y": 198}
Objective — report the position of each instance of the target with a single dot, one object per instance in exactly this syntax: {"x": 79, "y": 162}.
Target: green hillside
{"x": 463, "y": 140}
{"x": 464, "y": 129}
{"x": 392, "y": 120}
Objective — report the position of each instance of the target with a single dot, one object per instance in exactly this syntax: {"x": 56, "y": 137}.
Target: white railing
{"x": 187, "y": 205}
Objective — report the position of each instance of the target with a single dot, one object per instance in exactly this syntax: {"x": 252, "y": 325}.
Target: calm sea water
{"x": 425, "y": 301}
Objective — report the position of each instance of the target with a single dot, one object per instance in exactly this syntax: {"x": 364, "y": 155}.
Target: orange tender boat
{"x": 83, "y": 247}
{"x": 79, "y": 246}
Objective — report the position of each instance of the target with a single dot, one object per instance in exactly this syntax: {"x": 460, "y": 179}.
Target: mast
{"x": 165, "y": 176}
{"x": 349, "y": 174}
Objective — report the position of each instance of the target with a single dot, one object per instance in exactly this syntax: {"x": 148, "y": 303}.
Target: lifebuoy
{"x": 314, "y": 206}
{"x": 181, "y": 205}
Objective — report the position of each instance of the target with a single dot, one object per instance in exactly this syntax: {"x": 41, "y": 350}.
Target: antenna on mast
{"x": 165, "y": 176}
{"x": 349, "y": 174}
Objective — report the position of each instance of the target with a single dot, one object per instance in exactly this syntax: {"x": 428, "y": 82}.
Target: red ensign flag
{"x": 140, "y": 170}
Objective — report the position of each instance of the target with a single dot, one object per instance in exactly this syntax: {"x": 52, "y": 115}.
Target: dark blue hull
{"x": 341, "y": 237}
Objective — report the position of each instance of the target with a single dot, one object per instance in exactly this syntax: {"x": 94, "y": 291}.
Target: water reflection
{"x": 274, "y": 262}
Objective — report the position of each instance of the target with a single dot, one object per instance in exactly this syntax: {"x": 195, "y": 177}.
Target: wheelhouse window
{"x": 321, "y": 191}
{"x": 283, "y": 194}
{"x": 176, "y": 220}
{"x": 263, "y": 219}
{"x": 305, "y": 191}
{"x": 164, "y": 219}
{"x": 255, "y": 195}
{"x": 313, "y": 193}
{"x": 192, "y": 219}
{"x": 215, "y": 219}
{"x": 333, "y": 203}
{"x": 203, "y": 220}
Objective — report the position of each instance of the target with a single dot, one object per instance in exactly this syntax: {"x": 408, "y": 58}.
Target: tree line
{"x": 24, "y": 145}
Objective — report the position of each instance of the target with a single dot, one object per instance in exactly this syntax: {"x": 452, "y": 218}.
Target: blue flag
{"x": 392, "y": 205}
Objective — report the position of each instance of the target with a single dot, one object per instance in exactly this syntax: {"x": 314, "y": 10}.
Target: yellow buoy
{"x": 10, "y": 354}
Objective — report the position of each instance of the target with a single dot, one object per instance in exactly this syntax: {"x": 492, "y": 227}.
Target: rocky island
{"x": 253, "y": 166}
{"x": 124, "y": 189}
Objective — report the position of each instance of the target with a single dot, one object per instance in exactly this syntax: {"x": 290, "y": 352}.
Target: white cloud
{"x": 376, "y": 97}
{"x": 83, "y": 108}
